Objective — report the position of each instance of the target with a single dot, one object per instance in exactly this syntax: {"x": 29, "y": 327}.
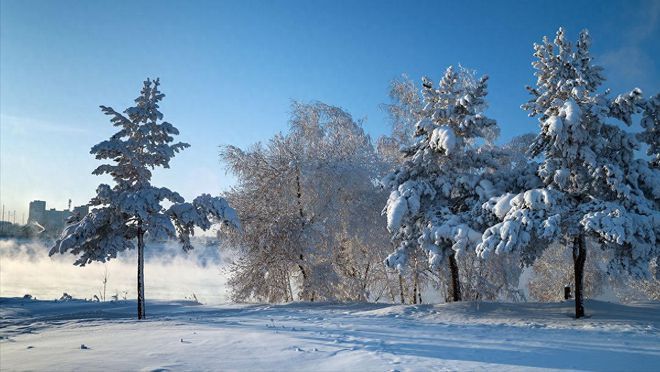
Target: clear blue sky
{"x": 231, "y": 69}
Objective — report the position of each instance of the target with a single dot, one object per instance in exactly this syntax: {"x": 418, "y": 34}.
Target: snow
{"x": 555, "y": 125}
{"x": 571, "y": 111}
{"x": 453, "y": 230}
{"x": 403, "y": 202}
{"x": 537, "y": 199}
{"x": 502, "y": 205}
{"x": 325, "y": 336}
{"x": 396, "y": 209}
{"x": 562, "y": 177}
{"x": 443, "y": 138}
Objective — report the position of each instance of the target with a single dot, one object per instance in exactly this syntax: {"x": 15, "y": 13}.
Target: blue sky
{"x": 231, "y": 69}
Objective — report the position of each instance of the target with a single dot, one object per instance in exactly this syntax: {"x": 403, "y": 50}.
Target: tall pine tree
{"x": 442, "y": 177}
{"x": 593, "y": 184}
{"x": 132, "y": 209}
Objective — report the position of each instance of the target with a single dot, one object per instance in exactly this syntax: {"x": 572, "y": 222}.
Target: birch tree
{"x": 308, "y": 204}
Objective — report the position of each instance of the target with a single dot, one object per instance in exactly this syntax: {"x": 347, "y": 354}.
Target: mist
{"x": 170, "y": 273}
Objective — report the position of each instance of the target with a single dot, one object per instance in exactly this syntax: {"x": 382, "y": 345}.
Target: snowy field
{"x": 47, "y": 335}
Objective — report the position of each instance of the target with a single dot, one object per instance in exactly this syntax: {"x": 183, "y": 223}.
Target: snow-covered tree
{"x": 593, "y": 184}
{"x": 132, "y": 208}
{"x": 444, "y": 175}
{"x": 308, "y": 205}
{"x": 651, "y": 124}
{"x": 405, "y": 110}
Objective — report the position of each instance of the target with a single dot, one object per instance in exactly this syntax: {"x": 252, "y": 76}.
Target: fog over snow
{"x": 170, "y": 273}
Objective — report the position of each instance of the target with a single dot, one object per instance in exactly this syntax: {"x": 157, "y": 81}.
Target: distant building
{"x": 52, "y": 220}
{"x": 81, "y": 210}
{"x": 37, "y": 211}
{"x": 5, "y": 226}
{"x": 55, "y": 220}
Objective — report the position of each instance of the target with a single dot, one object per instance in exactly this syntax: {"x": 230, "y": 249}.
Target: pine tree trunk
{"x": 414, "y": 293}
{"x": 579, "y": 258}
{"x": 403, "y": 299}
{"x": 455, "y": 281}
{"x": 415, "y": 284}
{"x": 140, "y": 273}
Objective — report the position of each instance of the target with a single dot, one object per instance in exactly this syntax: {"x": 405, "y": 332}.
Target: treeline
{"x": 327, "y": 214}
{"x": 322, "y": 213}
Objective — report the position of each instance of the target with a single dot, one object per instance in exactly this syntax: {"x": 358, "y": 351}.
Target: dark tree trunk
{"x": 304, "y": 275}
{"x": 415, "y": 284}
{"x": 414, "y": 293}
{"x": 455, "y": 281}
{"x": 302, "y": 270}
{"x": 579, "y": 258}
{"x": 140, "y": 273}
{"x": 299, "y": 196}
{"x": 302, "y": 229}
{"x": 403, "y": 298}
{"x": 364, "y": 283}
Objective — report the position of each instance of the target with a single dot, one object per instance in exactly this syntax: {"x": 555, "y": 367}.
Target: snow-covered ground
{"x": 47, "y": 335}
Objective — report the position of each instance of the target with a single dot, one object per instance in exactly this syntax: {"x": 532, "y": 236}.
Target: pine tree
{"x": 593, "y": 186}
{"x": 442, "y": 177}
{"x": 651, "y": 133}
{"x": 132, "y": 208}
